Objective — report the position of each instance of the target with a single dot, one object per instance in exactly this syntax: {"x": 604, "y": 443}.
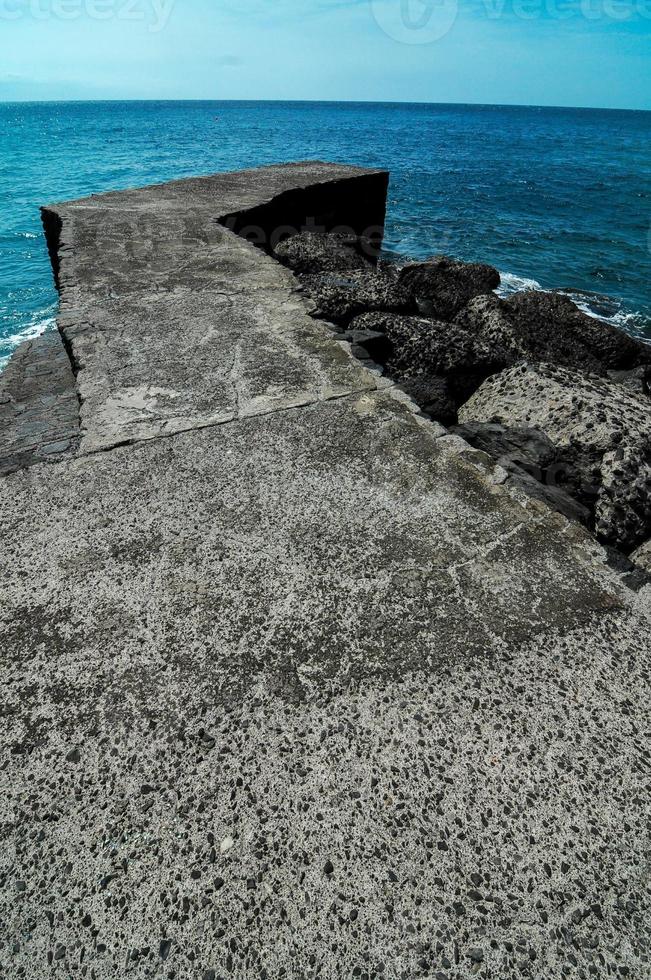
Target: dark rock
{"x": 340, "y": 297}
{"x": 642, "y": 556}
{"x": 638, "y": 380}
{"x": 599, "y": 427}
{"x": 554, "y": 496}
{"x": 491, "y": 320}
{"x": 73, "y": 756}
{"x": 312, "y": 252}
{"x": 441, "y": 348}
{"x": 558, "y": 317}
{"x": 164, "y": 948}
{"x": 373, "y": 343}
{"x": 442, "y": 286}
{"x": 550, "y": 327}
{"x": 524, "y": 446}
{"x": 360, "y": 352}
{"x": 438, "y": 364}
{"x": 328, "y": 867}
{"x": 432, "y": 394}
{"x": 533, "y": 463}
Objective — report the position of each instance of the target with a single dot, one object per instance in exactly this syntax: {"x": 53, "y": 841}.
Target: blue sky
{"x": 542, "y": 52}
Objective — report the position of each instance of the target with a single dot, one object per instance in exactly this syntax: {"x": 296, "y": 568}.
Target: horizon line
{"x": 397, "y": 102}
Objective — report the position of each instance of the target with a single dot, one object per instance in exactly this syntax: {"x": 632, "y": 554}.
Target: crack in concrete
{"x": 232, "y": 378}
{"x": 238, "y": 417}
{"x": 505, "y": 536}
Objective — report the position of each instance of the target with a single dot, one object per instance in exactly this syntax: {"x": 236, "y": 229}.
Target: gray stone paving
{"x": 294, "y": 686}
{"x": 39, "y": 410}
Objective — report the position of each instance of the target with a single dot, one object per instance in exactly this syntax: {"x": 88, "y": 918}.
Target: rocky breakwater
{"x": 557, "y": 397}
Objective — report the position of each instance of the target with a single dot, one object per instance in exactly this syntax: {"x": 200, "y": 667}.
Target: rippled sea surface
{"x": 556, "y": 198}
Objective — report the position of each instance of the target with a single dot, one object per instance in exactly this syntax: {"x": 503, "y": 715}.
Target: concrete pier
{"x": 294, "y": 687}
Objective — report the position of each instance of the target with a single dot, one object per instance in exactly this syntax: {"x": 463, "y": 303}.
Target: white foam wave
{"x": 34, "y": 329}
{"x": 603, "y": 308}
{"x": 611, "y": 311}
{"x": 515, "y": 284}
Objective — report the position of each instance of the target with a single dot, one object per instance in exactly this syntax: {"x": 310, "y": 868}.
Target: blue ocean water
{"x": 559, "y": 198}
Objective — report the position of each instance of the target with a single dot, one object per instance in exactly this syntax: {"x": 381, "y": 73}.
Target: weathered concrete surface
{"x": 172, "y": 320}
{"x": 39, "y": 411}
{"x": 305, "y": 692}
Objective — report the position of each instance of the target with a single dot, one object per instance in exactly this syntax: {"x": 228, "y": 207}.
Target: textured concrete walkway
{"x": 293, "y": 686}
